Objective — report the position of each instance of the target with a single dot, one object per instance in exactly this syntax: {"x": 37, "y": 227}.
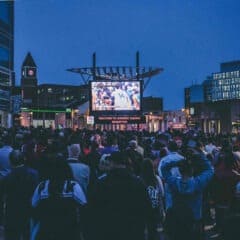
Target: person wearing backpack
{"x": 58, "y": 205}
{"x": 155, "y": 191}
{"x": 187, "y": 189}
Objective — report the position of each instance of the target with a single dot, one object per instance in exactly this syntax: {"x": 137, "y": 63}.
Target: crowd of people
{"x": 92, "y": 184}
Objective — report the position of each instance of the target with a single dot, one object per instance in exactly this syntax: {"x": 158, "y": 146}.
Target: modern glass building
{"x": 6, "y": 57}
{"x": 220, "y": 109}
{"x": 225, "y": 85}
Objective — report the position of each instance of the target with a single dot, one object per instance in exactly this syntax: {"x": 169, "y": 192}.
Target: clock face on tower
{"x": 31, "y": 72}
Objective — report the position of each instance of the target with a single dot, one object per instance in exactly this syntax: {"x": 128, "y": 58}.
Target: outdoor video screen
{"x": 116, "y": 96}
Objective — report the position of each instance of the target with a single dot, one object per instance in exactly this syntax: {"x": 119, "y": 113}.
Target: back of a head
{"x": 6, "y": 140}
{"x": 186, "y": 168}
{"x": 16, "y": 158}
{"x": 74, "y": 151}
{"x": 60, "y": 169}
{"x": 110, "y": 140}
{"x": 118, "y": 158}
{"x": 147, "y": 172}
{"x": 133, "y": 144}
{"x": 172, "y": 146}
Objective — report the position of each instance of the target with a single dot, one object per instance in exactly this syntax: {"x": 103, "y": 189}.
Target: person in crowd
{"x": 155, "y": 192}
{"x": 5, "y": 166}
{"x": 86, "y": 149}
{"x": 236, "y": 154}
{"x": 92, "y": 160}
{"x": 5, "y": 151}
{"x": 81, "y": 171}
{"x": 58, "y": 204}
{"x": 28, "y": 149}
{"x": 157, "y": 146}
{"x": 172, "y": 156}
{"x": 210, "y": 147}
{"x": 98, "y": 140}
{"x": 110, "y": 145}
{"x": 134, "y": 158}
{"x": 139, "y": 148}
{"x": 186, "y": 189}
{"x": 119, "y": 205}
{"x": 179, "y": 223}
{"x": 223, "y": 187}
{"x": 18, "y": 187}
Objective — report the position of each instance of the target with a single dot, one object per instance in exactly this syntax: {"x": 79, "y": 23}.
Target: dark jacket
{"x": 224, "y": 185}
{"x": 18, "y": 187}
{"x": 118, "y": 207}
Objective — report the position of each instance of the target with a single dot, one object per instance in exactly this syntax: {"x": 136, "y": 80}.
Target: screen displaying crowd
{"x": 111, "y": 96}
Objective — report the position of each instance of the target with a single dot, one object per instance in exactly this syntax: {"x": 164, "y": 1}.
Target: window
{"x": 5, "y": 12}
{"x": 4, "y": 57}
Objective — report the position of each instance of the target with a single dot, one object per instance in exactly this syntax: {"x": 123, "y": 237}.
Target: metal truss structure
{"x": 117, "y": 73}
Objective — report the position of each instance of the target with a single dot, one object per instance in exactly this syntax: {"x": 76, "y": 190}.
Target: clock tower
{"x": 29, "y": 81}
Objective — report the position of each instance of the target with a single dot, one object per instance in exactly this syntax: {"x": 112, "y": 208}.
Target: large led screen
{"x": 116, "y": 96}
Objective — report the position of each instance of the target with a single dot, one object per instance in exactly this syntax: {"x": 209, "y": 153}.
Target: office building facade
{"x": 218, "y": 109}
{"x": 6, "y": 59}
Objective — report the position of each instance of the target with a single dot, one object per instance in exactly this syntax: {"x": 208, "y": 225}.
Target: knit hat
{"x": 133, "y": 144}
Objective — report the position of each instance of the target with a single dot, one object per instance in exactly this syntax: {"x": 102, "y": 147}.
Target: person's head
{"x": 16, "y": 158}
{"x": 104, "y": 163}
{"x": 155, "y": 158}
{"x": 186, "y": 168}
{"x": 178, "y": 141}
{"x": 147, "y": 172}
{"x": 110, "y": 140}
{"x": 157, "y": 145}
{"x": 6, "y": 140}
{"x": 97, "y": 138}
{"x": 74, "y": 151}
{"x": 172, "y": 146}
{"x": 163, "y": 152}
{"x": 236, "y": 148}
{"x": 107, "y": 100}
{"x": 118, "y": 159}
{"x": 199, "y": 145}
{"x": 60, "y": 169}
{"x": 227, "y": 158}
{"x": 133, "y": 145}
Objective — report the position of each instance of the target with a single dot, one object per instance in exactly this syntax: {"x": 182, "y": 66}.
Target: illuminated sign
{"x": 67, "y": 110}
{"x": 120, "y": 119}
{"x": 90, "y": 120}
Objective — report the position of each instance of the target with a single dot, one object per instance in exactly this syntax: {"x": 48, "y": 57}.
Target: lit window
{"x": 49, "y": 90}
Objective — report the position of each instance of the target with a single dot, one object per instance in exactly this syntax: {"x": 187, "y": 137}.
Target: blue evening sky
{"x": 188, "y": 38}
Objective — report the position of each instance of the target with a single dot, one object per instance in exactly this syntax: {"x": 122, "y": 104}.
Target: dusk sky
{"x": 188, "y": 38}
